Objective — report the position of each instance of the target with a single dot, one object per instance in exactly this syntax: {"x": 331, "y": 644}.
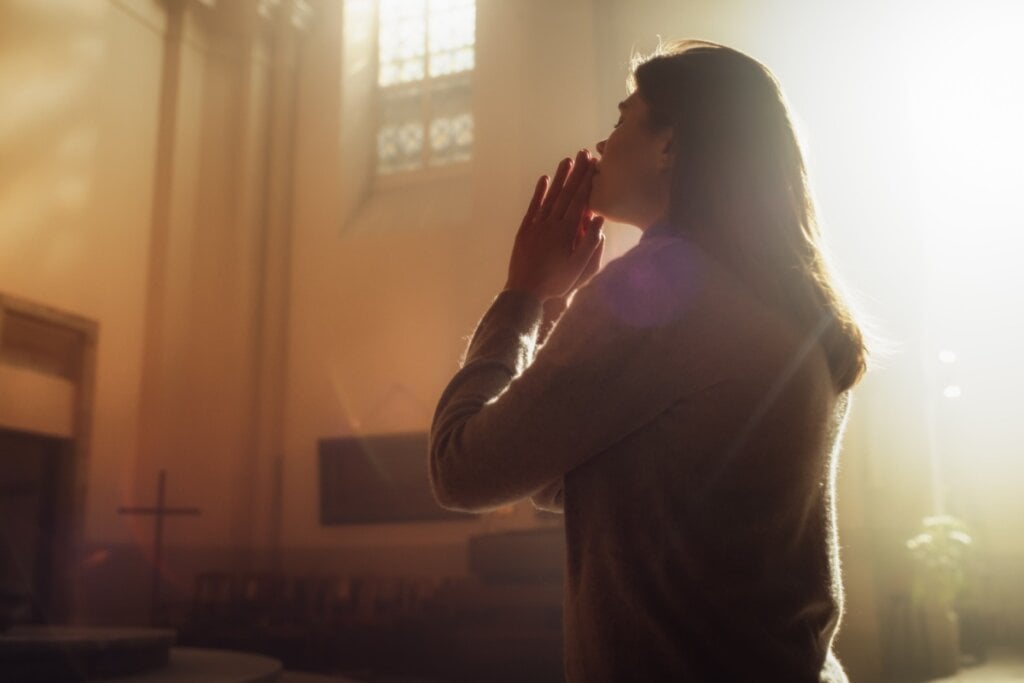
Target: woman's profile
{"x": 683, "y": 408}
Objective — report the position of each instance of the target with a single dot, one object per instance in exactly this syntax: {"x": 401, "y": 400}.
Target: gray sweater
{"x": 689, "y": 434}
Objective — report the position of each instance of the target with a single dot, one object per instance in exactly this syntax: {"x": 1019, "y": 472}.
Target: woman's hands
{"x": 559, "y": 243}
{"x": 554, "y": 308}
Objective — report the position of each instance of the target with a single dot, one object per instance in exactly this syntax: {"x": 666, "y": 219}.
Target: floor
{"x": 1002, "y": 666}
{"x": 299, "y": 677}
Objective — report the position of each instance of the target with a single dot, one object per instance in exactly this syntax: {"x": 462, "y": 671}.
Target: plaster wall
{"x": 391, "y": 274}
{"x": 77, "y": 154}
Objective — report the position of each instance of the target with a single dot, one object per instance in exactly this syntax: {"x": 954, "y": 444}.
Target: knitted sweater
{"x": 689, "y": 434}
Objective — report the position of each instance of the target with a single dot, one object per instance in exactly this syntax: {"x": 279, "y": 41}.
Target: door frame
{"x": 57, "y": 343}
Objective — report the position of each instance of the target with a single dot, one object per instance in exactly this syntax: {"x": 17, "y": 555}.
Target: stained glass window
{"x": 426, "y": 55}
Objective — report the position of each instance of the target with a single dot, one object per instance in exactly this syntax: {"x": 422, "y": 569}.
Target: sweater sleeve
{"x": 510, "y": 426}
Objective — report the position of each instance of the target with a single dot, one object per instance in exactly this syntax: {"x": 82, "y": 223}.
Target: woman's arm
{"x": 510, "y": 425}
{"x": 557, "y": 236}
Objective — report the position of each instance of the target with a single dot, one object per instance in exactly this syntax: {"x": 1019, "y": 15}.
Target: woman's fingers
{"x": 538, "y": 197}
{"x": 576, "y": 218}
{"x": 577, "y": 201}
{"x": 581, "y": 171}
{"x": 555, "y": 189}
{"x": 549, "y": 257}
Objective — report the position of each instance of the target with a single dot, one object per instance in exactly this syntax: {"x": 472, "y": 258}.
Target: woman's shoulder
{"x": 673, "y": 285}
{"x": 668, "y": 279}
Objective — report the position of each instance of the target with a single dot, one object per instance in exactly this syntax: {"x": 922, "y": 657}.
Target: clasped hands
{"x": 559, "y": 243}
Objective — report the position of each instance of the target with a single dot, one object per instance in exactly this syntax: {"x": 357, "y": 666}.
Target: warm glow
{"x": 965, "y": 104}
{"x": 426, "y": 51}
{"x": 420, "y": 38}
{"x": 402, "y": 41}
{"x": 912, "y": 117}
{"x": 962, "y": 106}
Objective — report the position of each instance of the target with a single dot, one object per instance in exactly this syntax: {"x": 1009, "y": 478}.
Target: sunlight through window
{"x": 426, "y": 53}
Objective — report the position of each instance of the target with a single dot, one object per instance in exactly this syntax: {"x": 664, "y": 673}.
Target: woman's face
{"x": 635, "y": 169}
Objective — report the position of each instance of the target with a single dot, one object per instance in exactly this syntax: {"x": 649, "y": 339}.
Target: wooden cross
{"x": 158, "y": 512}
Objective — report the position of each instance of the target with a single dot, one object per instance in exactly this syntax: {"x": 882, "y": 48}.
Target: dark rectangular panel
{"x": 378, "y": 478}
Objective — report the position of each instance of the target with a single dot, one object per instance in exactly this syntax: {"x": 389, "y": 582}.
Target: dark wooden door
{"x": 33, "y": 473}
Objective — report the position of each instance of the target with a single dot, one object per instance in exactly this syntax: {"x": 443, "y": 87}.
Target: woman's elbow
{"x": 456, "y": 498}
{"x": 445, "y": 484}
{"x": 458, "y": 481}
{"x": 445, "y": 496}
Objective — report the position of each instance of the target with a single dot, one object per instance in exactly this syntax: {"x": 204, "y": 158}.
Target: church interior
{"x": 243, "y": 242}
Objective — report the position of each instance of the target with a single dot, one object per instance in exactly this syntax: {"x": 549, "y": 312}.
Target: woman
{"x": 685, "y": 411}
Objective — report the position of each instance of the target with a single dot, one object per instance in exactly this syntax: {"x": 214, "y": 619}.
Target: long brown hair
{"x": 740, "y": 184}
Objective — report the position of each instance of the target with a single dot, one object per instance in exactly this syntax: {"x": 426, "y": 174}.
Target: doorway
{"x": 35, "y": 505}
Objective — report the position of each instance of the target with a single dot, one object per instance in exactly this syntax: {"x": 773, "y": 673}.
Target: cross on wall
{"x": 158, "y": 512}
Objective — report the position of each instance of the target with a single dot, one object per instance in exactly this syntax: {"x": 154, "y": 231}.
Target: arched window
{"x": 425, "y": 60}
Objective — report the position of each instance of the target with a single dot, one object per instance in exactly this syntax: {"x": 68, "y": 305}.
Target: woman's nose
{"x": 600, "y": 147}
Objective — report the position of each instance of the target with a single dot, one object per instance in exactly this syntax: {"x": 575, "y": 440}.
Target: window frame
{"x": 425, "y": 171}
